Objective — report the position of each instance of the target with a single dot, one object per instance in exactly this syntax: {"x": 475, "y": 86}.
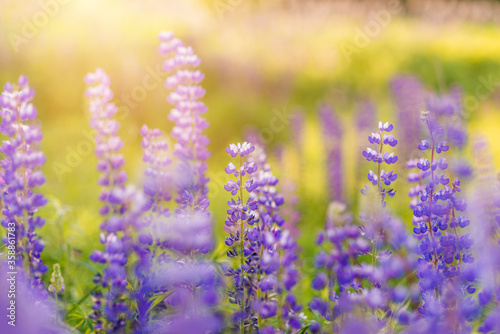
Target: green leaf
{"x": 157, "y": 299}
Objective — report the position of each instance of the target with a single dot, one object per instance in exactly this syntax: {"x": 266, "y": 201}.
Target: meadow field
{"x": 306, "y": 83}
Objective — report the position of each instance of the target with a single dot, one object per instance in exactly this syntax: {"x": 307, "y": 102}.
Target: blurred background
{"x": 270, "y": 67}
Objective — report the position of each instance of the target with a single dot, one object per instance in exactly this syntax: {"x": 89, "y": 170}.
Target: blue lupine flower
{"x": 381, "y": 177}
{"x": 20, "y": 177}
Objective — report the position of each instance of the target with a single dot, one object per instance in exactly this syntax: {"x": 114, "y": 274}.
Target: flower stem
{"x": 242, "y": 243}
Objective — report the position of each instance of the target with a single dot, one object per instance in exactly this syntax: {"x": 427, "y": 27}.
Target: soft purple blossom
{"x": 381, "y": 178}
{"x": 21, "y": 175}
{"x": 241, "y": 215}
{"x": 183, "y": 83}
{"x": 437, "y": 210}
{"x": 333, "y": 139}
{"x": 122, "y": 206}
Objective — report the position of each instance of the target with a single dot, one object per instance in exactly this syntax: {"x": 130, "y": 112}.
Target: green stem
{"x": 280, "y": 296}
{"x": 242, "y": 243}
{"x": 57, "y": 308}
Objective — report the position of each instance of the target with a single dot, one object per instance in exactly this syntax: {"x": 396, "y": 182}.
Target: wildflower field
{"x": 240, "y": 166}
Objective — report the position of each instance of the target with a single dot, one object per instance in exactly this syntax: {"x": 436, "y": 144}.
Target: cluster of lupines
{"x": 390, "y": 241}
{"x": 20, "y": 176}
{"x": 155, "y": 259}
{"x": 445, "y": 279}
{"x": 381, "y": 178}
{"x": 332, "y": 131}
{"x": 354, "y": 286}
{"x": 191, "y": 145}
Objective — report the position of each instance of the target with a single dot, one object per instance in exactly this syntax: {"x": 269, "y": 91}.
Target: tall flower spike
{"x": 332, "y": 131}
{"x": 446, "y": 109}
{"x": 122, "y": 206}
{"x": 21, "y": 175}
{"x": 157, "y": 175}
{"x": 191, "y": 146}
{"x": 444, "y": 255}
{"x": 381, "y": 179}
{"x": 409, "y": 95}
{"x": 241, "y": 215}
{"x": 365, "y": 115}
{"x": 157, "y": 193}
{"x": 273, "y": 253}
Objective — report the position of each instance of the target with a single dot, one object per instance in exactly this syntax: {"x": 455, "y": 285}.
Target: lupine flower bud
{"x": 57, "y": 280}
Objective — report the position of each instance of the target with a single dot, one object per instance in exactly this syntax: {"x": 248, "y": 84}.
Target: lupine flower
{"x": 274, "y": 252}
{"x": 57, "y": 280}
{"x": 485, "y": 212}
{"x": 122, "y": 206}
{"x": 157, "y": 184}
{"x": 365, "y": 115}
{"x": 241, "y": 216}
{"x": 191, "y": 145}
{"x": 332, "y": 131}
{"x": 409, "y": 95}
{"x": 381, "y": 178}
{"x": 21, "y": 176}
{"x": 442, "y": 267}
{"x": 157, "y": 176}
{"x": 340, "y": 247}
{"x": 447, "y": 110}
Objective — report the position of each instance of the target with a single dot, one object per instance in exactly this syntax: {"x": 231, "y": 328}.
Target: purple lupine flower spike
{"x": 157, "y": 180}
{"x": 365, "y": 115}
{"x": 121, "y": 210}
{"x": 446, "y": 109}
{"x": 409, "y": 96}
{"x": 191, "y": 146}
{"x": 381, "y": 178}
{"x": 157, "y": 176}
{"x": 444, "y": 254}
{"x": 340, "y": 247}
{"x": 332, "y": 130}
{"x": 21, "y": 176}
{"x": 241, "y": 216}
{"x": 275, "y": 253}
